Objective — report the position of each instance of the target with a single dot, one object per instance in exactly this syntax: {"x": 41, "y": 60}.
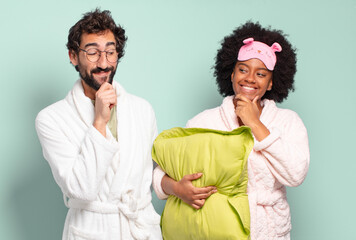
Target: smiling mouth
{"x": 248, "y": 88}
{"x": 102, "y": 73}
{"x": 102, "y": 76}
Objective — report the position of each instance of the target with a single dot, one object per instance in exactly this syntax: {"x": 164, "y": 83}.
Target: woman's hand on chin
{"x": 248, "y": 112}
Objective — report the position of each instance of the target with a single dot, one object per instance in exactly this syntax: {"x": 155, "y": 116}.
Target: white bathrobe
{"x": 105, "y": 183}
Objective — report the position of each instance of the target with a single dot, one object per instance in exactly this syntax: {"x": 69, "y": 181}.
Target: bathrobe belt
{"x": 126, "y": 204}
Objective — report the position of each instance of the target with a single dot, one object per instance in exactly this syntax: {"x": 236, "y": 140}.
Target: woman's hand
{"x": 185, "y": 190}
{"x": 248, "y": 112}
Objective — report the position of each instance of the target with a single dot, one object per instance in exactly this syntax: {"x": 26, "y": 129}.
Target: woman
{"x": 254, "y": 68}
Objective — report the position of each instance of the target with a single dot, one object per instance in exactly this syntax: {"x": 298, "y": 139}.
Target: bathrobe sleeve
{"x": 79, "y": 171}
{"x": 158, "y": 174}
{"x": 286, "y": 149}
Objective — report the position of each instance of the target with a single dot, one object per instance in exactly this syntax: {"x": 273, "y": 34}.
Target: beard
{"x": 89, "y": 79}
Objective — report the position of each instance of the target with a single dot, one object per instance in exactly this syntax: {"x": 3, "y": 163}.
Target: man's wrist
{"x": 100, "y": 126}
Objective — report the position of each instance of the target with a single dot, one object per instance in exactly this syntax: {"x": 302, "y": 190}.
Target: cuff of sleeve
{"x": 110, "y": 144}
{"x": 158, "y": 174}
{"x": 271, "y": 138}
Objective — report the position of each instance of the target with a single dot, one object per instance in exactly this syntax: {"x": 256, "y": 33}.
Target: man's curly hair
{"x": 95, "y": 22}
{"x": 284, "y": 70}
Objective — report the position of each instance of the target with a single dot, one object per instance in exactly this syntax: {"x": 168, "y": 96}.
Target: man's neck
{"x": 88, "y": 91}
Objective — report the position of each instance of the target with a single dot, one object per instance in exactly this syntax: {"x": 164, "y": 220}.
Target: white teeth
{"x": 249, "y": 88}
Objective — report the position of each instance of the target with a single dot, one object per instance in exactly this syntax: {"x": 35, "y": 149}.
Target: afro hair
{"x": 284, "y": 70}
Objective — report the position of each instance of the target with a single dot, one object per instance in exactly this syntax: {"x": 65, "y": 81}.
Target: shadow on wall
{"x": 36, "y": 203}
{"x": 157, "y": 203}
{"x": 35, "y": 200}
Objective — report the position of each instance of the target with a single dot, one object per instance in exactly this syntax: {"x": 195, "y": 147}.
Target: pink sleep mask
{"x": 261, "y": 51}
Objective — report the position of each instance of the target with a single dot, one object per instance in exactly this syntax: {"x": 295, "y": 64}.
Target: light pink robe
{"x": 281, "y": 159}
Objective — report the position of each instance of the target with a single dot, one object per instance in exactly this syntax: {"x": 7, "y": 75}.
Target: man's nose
{"x": 102, "y": 62}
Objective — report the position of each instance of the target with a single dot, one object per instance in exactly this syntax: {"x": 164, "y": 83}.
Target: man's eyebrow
{"x": 96, "y": 45}
{"x": 110, "y": 43}
{"x": 90, "y": 45}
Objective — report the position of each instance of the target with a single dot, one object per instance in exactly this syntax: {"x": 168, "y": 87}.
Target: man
{"x": 98, "y": 141}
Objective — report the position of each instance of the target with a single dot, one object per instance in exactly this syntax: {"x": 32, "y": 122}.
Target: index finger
{"x": 106, "y": 86}
{"x": 242, "y": 98}
{"x": 204, "y": 190}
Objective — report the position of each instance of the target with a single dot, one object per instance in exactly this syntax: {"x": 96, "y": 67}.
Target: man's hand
{"x": 105, "y": 100}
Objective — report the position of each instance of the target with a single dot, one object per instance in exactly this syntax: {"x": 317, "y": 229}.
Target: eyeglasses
{"x": 93, "y": 55}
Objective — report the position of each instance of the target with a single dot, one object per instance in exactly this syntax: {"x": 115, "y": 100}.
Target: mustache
{"x": 98, "y": 70}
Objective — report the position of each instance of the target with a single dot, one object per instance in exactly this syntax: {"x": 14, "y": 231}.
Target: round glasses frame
{"x": 93, "y": 55}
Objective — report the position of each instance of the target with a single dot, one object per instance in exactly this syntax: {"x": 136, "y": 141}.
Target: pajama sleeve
{"x": 158, "y": 174}
{"x": 286, "y": 150}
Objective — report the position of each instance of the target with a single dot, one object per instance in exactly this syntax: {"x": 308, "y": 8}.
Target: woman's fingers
{"x": 205, "y": 195}
{"x": 240, "y": 97}
{"x": 204, "y": 190}
{"x": 191, "y": 177}
{"x": 194, "y": 196}
{"x": 197, "y": 204}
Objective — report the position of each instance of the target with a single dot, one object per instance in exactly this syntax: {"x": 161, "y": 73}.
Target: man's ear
{"x": 73, "y": 57}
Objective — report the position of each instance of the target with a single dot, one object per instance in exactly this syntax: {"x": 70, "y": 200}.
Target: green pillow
{"x": 222, "y": 158}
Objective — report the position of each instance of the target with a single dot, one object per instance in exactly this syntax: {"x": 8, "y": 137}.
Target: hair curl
{"x": 284, "y": 70}
{"x": 95, "y": 22}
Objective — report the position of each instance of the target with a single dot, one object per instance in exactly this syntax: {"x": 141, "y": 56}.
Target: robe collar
{"x": 84, "y": 105}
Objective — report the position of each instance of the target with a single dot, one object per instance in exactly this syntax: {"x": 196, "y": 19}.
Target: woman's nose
{"x": 250, "y": 78}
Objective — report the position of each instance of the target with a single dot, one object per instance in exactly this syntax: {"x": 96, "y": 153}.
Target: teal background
{"x": 169, "y": 55}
